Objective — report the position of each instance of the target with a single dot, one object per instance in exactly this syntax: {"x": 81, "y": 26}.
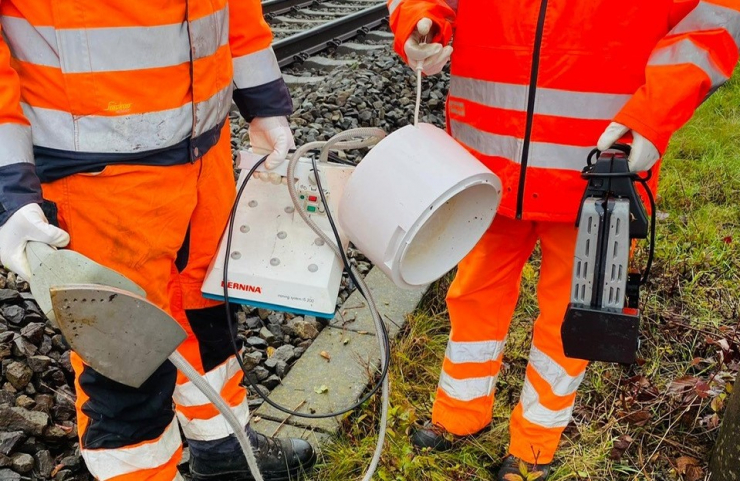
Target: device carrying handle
{"x": 624, "y": 148}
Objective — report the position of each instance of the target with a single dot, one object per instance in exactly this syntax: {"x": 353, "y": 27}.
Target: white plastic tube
{"x": 198, "y": 381}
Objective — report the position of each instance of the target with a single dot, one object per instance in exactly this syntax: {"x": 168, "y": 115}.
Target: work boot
{"x": 433, "y": 436}
{"x": 514, "y": 465}
{"x": 279, "y": 459}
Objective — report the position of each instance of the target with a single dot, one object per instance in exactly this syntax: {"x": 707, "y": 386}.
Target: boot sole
{"x": 291, "y": 475}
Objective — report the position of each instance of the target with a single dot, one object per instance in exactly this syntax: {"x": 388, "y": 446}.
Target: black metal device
{"x": 602, "y": 321}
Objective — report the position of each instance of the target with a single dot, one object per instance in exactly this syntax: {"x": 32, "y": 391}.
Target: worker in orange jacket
{"x": 535, "y": 85}
{"x": 115, "y": 142}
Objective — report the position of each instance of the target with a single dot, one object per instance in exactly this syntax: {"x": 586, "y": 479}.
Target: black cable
{"x": 384, "y": 334}
{"x": 653, "y": 223}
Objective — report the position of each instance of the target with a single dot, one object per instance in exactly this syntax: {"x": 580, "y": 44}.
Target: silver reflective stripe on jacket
{"x": 15, "y": 144}
{"x": 709, "y": 16}
{"x": 213, "y": 111}
{"x": 687, "y": 52}
{"x": 555, "y": 102}
{"x": 116, "y": 48}
{"x": 27, "y": 43}
{"x": 120, "y": 134}
{"x": 256, "y": 68}
{"x": 541, "y": 154}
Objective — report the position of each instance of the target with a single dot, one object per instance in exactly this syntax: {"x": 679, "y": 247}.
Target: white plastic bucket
{"x": 417, "y": 204}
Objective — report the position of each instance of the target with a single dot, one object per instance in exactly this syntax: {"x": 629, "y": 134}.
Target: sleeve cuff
{"x": 268, "y": 100}
{"x": 19, "y": 186}
{"x": 660, "y": 141}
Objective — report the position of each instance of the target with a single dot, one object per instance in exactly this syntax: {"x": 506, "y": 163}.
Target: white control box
{"x": 276, "y": 260}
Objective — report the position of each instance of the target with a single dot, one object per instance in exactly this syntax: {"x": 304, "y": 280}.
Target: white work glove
{"x": 431, "y": 56}
{"x": 27, "y": 224}
{"x": 643, "y": 155}
{"x": 271, "y": 135}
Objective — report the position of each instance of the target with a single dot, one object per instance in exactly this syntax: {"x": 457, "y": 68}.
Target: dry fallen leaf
{"x": 694, "y": 473}
{"x": 683, "y": 463}
{"x": 270, "y": 351}
{"x": 621, "y": 444}
{"x": 638, "y": 418}
{"x": 717, "y": 404}
{"x": 325, "y": 355}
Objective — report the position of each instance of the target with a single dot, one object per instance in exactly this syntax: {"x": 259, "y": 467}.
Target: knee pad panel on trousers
{"x": 120, "y": 415}
{"x": 212, "y": 332}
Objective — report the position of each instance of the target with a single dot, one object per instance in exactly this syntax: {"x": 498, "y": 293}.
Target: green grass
{"x": 693, "y": 298}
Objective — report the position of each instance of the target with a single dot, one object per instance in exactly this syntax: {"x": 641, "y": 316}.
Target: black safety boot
{"x": 433, "y": 436}
{"x": 515, "y": 466}
{"x": 279, "y": 459}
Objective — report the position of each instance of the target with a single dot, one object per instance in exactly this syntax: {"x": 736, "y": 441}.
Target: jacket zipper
{"x": 192, "y": 151}
{"x": 530, "y": 106}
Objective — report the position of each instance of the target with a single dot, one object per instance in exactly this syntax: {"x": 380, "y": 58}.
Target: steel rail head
{"x": 297, "y": 47}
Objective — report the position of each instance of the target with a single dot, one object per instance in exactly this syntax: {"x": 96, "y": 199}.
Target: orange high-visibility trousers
{"x": 160, "y": 227}
{"x": 481, "y": 303}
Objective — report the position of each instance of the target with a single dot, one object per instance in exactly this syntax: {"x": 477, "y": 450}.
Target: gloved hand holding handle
{"x": 271, "y": 135}
{"x": 644, "y": 154}
{"x": 431, "y": 56}
{"x": 27, "y": 224}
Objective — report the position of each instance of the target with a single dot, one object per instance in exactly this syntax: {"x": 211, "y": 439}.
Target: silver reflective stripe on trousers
{"x": 256, "y": 69}
{"x": 115, "y": 49}
{"x": 27, "y": 43}
{"x": 687, "y": 52}
{"x": 559, "y": 103}
{"x": 16, "y": 146}
{"x": 110, "y": 463}
{"x": 709, "y": 16}
{"x": 536, "y": 413}
{"x": 562, "y": 383}
{"x": 213, "y": 428}
{"x": 467, "y": 389}
{"x": 478, "y": 352}
{"x": 541, "y": 154}
{"x": 121, "y": 134}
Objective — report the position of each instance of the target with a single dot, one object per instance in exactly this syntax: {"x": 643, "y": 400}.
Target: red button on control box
{"x": 312, "y": 198}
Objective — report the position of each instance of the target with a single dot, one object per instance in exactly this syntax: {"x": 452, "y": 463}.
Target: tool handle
{"x": 37, "y": 250}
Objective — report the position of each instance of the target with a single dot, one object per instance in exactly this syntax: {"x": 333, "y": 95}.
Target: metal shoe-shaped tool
{"x": 51, "y": 267}
{"x": 119, "y": 334}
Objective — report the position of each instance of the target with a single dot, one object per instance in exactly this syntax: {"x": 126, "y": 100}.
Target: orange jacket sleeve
{"x": 405, "y": 14}
{"x": 18, "y": 182}
{"x": 696, "y": 57}
{"x": 259, "y": 87}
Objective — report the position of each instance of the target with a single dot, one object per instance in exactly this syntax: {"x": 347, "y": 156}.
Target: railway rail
{"x": 304, "y": 28}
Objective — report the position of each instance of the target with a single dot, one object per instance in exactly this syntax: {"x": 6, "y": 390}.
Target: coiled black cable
{"x": 347, "y": 267}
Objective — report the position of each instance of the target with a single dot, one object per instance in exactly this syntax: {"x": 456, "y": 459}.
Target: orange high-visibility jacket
{"x": 535, "y": 82}
{"x": 86, "y": 83}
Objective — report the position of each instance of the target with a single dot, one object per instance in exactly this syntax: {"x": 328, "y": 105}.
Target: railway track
{"x": 303, "y": 28}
